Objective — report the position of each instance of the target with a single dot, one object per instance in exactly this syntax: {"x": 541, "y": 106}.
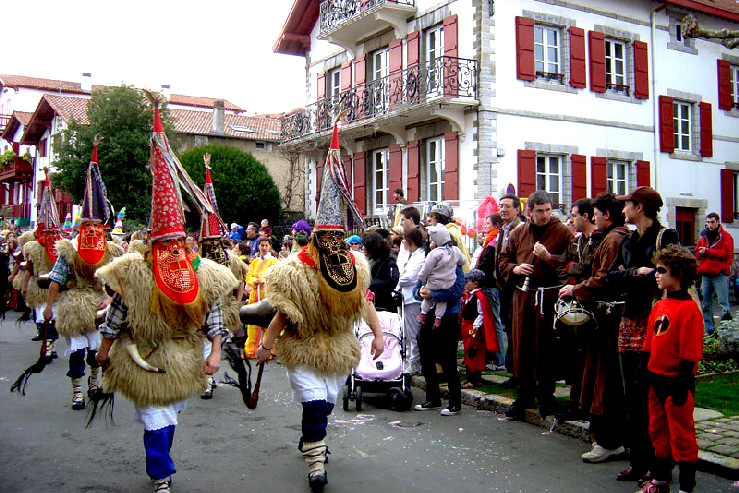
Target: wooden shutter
{"x": 641, "y": 70}
{"x": 451, "y": 51}
{"x": 706, "y": 119}
{"x": 579, "y": 179}
{"x": 525, "y": 61}
{"x": 451, "y": 166}
{"x": 414, "y": 171}
{"x": 598, "y": 175}
{"x": 577, "y": 57}
{"x": 395, "y": 65}
{"x": 395, "y": 168}
{"x": 724, "y": 85}
{"x": 360, "y": 75}
{"x": 319, "y": 180}
{"x": 597, "y": 44}
{"x": 727, "y": 196}
{"x": 642, "y": 174}
{"x": 321, "y": 86}
{"x": 666, "y": 135}
{"x": 413, "y": 46}
{"x": 526, "y": 172}
{"x": 449, "y": 27}
{"x": 360, "y": 197}
{"x": 346, "y": 75}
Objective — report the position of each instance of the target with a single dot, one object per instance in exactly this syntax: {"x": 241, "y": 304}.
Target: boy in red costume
{"x": 478, "y": 327}
{"x": 672, "y": 349}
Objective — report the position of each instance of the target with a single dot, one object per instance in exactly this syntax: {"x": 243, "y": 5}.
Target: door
{"x": 377, "y": 88}
{"x": 685, "y": 225}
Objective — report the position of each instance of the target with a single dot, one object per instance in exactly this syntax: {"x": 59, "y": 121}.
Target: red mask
{"x": 91, "y": 242}
{"x": 173, "y": 271}
{"x": 47, "y": 238}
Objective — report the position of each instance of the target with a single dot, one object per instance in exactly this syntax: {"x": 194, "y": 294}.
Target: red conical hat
{"x": 167, "y": 217}
{"x": 211, "y": 225}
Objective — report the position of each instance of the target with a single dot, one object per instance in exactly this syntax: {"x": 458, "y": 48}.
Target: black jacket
{"x": 385, "y": 277}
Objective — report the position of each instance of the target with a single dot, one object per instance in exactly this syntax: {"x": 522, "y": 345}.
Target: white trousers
{"x": 310, "y": 386}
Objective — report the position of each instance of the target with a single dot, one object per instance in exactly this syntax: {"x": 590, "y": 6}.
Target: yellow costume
{"x": 257, "y": 268}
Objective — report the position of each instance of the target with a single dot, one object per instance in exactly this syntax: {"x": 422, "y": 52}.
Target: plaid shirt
{"x": 60, "y": 272}
{"x": 115, "y": 320}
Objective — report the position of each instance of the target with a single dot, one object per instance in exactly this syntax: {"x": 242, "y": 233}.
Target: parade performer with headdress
{"x": 166, "y": 303}
{"x": 73, "y": 287}
{"x": 211, "y": 246}
{"x": 319, "y": 294}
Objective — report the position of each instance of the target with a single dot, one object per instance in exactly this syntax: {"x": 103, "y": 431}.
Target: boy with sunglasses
{"x": 672, "y": 349}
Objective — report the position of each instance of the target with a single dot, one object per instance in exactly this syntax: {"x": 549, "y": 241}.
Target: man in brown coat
{"x": 597, "y": 390}
{"x": 532, "y": 252}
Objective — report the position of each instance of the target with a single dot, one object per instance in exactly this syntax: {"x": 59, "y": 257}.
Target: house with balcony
{"x": 457, "y": 101}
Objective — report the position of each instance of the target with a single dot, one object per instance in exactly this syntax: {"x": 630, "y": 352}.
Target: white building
{"x": 459, "y": 100}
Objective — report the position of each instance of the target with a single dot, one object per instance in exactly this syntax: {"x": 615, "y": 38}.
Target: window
{"x": 260, "y": 145}
{"x": 378, "y": 65}
{"x": 549, "y": 177}
{"x": 433, "y": 52}
{"x": 618, "y": 177}
{"x": 42, "y": 148}
{"x": 681, "y": 125}
{"x": 616, "y": 80}
{"x": 379, "y": 172}
{"x": 201, "y": 140}
{"x": 333, "y": 84}
{"x": 546, "y": 53}
{"x": 377, "y": 97}
{"x": 734, "y": 71}
{"x": 434, "y": 169}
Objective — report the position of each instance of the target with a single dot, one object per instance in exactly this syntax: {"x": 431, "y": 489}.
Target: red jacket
{"x": 718, "y": 256}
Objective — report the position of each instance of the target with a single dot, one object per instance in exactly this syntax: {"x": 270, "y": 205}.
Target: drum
{"x": 573, "y": 324}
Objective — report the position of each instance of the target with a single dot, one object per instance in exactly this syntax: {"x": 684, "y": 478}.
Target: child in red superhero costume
{"x": 672, "y": 349}
{"x": 478, "y": 328}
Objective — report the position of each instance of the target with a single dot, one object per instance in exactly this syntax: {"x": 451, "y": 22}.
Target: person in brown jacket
{"x": 597, "y": 388}
{"x": 532, "y": 252}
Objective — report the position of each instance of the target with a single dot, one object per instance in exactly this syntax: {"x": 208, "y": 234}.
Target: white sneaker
{"x": 162, "y": 485}
{"x": 601, "y": 454}
{"x": 451, "y": 411}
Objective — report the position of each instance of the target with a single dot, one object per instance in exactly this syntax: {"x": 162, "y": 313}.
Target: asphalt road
{"x": 222, "y": 446}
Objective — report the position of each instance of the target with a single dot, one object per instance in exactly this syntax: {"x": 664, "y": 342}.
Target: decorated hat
{"x": 67, "y": 227}
{"x": 118, "y": 228}
{"x": 48, "y": 215}
{"x": 77, "y": 219}
{"x": 336, "y": 209}
{"x": 211, "y": 224}
{"x": 95, "y": 202}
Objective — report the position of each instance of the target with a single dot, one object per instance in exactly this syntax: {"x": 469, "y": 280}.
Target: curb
{"x": 711, "y": 462}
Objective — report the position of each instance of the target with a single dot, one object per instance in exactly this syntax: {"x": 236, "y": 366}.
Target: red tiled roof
{"x": 245, "y": 127}
{"x": 42, "y": 84}
{"x": 295, "y": 34}
{"x": 23, "y": 116}
{"x": 17, "y": 119}
{"x": 67, "y": 107}
{"x": 201, "y": 102}
{"x": 725, "y": 9}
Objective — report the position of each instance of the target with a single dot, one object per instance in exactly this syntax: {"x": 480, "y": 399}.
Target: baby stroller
{"x": 384, "y": 375}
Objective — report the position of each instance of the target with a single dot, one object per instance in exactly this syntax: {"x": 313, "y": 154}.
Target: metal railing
{"x": 444, "y": 77}
{"x": 4, "y": 120}
{"x": 335, "y": 13}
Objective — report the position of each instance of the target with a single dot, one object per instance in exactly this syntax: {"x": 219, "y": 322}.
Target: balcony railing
{"x": 16, "y": 170}
{"x": 15, "y": 211}
{"x": 336, "y": 13}
{"x": 4, "y": 120}
{"x": 444, "y": 77}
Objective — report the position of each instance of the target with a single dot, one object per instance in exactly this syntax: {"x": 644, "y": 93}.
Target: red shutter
{"x": 579, "y": 180}
{"x": 666, "y": 135}
{"x": 319, "y": 179}
{"x": 706, "y": 119}
{"x": 451, "y": 68}
{"x": 360, "y": 74}
{"x": 526, "y": 172}
{"x": 413, "y": 47}
{"x": 642, "y": 174}
{"x": 346, "y": 75}
{"x": 597, "y": 61}
{"x": 414, "y": 171}
{"x": 525, "y": 61}
{"x": 395, "y": 65}
{"x": 724, "y": 85}
{"x": 359, "y": 182}
{"x": 641, "y": 70}
{"x": 727, "y": 196}
{"x": 321, "y": 86}
{"x": 577, "y": 57}
{"x": 395, "y": 168}
{"x": 451, "y": 166}
{"x": 598, "y": 175}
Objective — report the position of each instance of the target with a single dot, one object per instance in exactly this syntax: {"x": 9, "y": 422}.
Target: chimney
{"x": 86, "y": 82}
{"x": 219, "y": 118}
{"x": 165, "y": 91}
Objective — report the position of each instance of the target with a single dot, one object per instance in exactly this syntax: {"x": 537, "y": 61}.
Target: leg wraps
{"x": 91, "y": 353}
{"x": 158, "y": 444}
{"x": 77, "y": 364}
{"x": 315, "y": 420}
{"x": 314, "y": 454}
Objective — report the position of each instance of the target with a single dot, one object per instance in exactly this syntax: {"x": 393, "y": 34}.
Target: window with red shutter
{"x": 724, "y": 85}
{"x": 598, "y": 175}
{"x": 451, "y": 68}
{"x": 395, "y": 168}
{"x": 360, "y": 177}
{"x": 413, "y": 47}
{"x": 451, "y": 166}
{"x": 395, "y": 57}
{"x": 596, "y": 41}
{"x": 641, "y": 70}
{"x": 579, "y": 179}
{"x": 577, "y": 57}
{"x": 319, "y": 179}
{"x": 526, "y": 172}
{"x": 728, "y": 194}
{"x": 706, "y": 119}
{"x": 414, "y": 171}
{"x": 346, "y": 75}
{"x": 666, "y": 137}
{"x": 321, "y": 85}
{"x": 525, "y": 61}
{"x": 643, "y": 178}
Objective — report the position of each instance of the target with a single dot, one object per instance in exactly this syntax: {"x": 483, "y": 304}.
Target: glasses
{"x": 661, "y": 270}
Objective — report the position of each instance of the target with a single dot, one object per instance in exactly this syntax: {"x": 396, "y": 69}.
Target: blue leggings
{"x": 315, "y": 420}
{"x": 158, "y": 443}
{"x": 77, "y": 362}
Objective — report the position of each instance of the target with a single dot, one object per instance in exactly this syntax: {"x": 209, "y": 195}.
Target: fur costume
{"x": 137, "y": 246}
{"x": 22, "y": 240}
{"x": 77, "y": 303}
{"x": 35, "y": 253}
{"x": 229, "y": 304}
{"x": 318, "y": 338}
{"x": 177, "y": 350}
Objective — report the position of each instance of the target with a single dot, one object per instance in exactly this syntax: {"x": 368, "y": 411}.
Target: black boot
{"x": 39, "y": 332}
{"x": 687, "y": 476}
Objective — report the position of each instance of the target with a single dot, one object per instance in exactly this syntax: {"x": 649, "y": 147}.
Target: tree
{"x": 244, "y": 188}
{"x": 123, "y": 116}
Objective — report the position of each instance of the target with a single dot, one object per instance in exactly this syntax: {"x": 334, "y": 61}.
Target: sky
{"x": 216, "y": 48}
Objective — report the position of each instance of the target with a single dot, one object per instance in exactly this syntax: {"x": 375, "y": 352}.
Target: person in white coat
{"x": 411, "y": 265}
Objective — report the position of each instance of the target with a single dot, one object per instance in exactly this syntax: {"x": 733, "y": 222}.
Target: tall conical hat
{"x": 95, "y": 201}
{"x": 47, "y": 227}
{"x": 336, "y": 209}
{"x": 212, "y": 226}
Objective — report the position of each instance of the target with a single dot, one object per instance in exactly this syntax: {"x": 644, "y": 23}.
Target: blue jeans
{"x": 719, "y": 284}
{"x": 492, "y": 295}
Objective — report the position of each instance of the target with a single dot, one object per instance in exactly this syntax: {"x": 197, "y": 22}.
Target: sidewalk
{"x": 717, "y": 435}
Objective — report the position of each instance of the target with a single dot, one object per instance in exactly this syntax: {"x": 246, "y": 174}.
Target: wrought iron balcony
{"x": 364, "y": 15}
{"x": 444, "y": 78}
